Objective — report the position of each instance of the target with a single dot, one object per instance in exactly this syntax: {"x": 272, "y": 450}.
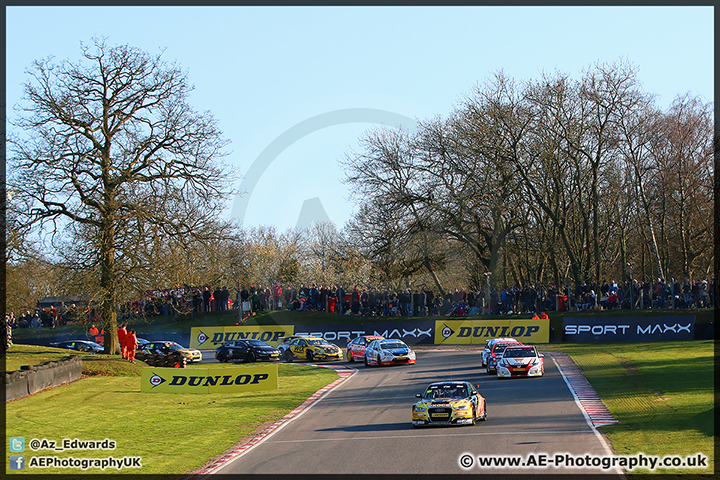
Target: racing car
{"x": 284, "y": 343}
{"x": 388, "y": 352}
{"x": 161, "y": 356}
{"x": 495, "y": 354}
{"x": 449, "y": 403}
{"x": 311, "y": 349}
{"x": 488, "y": 347}
{"x": 164, "y": 346}
{"x": 79, "y": 345}
{"x": 248, "y": 350}
{"x": 356, "y": 346}
{"x": 521, "y": 361}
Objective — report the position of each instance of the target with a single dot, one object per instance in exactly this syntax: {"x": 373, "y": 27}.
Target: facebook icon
{"x": 17, "y": 462}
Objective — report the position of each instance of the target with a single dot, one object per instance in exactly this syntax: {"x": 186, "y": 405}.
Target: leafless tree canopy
{"x": 108, "y": 153}
{"x": 554, "y": 181}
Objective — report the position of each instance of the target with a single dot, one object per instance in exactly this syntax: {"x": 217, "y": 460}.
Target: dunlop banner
{"x": 456, "y": 332}
{"x": 208, "y": 338}
{"x": 209, "y": 380}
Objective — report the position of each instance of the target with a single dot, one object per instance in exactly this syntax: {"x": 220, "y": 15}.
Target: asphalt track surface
{"x": 363, "y": 425}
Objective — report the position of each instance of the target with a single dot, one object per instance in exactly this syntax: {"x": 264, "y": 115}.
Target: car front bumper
{"x": 504, "y": 372}
{"x": 457, "y": 417}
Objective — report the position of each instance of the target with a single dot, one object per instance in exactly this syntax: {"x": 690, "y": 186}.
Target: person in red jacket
{"x": 544, "y": 316}
{"x": 122, "y": 335}
{"x": 131, "y": 345}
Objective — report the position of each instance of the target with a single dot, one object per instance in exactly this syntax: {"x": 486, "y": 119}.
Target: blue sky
{"x": 295, "y": 87}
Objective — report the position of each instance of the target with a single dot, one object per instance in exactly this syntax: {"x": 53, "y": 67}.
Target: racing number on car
{"x": 298, "y": 349}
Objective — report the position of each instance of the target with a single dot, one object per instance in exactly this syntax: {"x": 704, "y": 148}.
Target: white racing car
{"x": 521, "y": 361}
{"x": 388, "y": 352}
{"x": 488, "y": 347}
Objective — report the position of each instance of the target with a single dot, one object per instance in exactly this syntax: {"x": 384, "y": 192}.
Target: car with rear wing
{"x": 449, "y": 403}
{"x": 191, "y": 355}
{"x": 247, "y": 350}
{"x": 488, "y": 347}
{"x": 79, "y": 345}
{"x": 388, "y": 351}
{"x": 495, "y": 354}
{"x": 356, "y": 347}
{"x": 311, "y": 349}
{"x": 521, "y": 361}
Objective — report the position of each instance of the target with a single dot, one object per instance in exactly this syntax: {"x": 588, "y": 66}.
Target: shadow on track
{"x": 378, "y": 427}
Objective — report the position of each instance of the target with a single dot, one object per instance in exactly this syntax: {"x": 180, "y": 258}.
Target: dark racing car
{"x": 160, "y": 355}
{"x": 247, "y": 350}
{"x": 449, "y": 403}
{"x": 79, "y": 345}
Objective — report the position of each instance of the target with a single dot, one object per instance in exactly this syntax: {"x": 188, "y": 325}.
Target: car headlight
{"x": 419, "y": 408}
{"x": 464, "y": 406}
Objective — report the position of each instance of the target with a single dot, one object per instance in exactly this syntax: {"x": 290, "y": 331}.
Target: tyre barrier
{"x": 34, "y": 378}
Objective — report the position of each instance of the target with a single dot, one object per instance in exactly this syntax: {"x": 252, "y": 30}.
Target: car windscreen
{"x": 500, "y": 347}
{"x": 519, "y": 352}
{"x": 389, "y": 345}
{"x": 258, "y": 343}
{"x": 446, "y": 391}
{"x": 316, "y": 341}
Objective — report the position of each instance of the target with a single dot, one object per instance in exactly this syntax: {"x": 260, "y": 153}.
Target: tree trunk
{"x": 108, "y": 286}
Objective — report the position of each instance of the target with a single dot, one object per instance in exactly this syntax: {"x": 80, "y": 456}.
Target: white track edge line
{"x": 284, "y": 421}
{"x": 599, "y": 436}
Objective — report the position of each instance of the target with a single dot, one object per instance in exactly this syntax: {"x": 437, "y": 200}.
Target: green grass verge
{"x": 173, "y": 433}
{"x": 661, "y": 392}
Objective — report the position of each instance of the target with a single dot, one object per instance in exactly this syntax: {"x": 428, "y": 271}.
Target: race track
{"x": 363, "y": 425}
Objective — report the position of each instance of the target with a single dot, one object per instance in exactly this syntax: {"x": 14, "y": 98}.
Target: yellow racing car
{"x": 311, "y": 349}
{"x": 449, "y": 403}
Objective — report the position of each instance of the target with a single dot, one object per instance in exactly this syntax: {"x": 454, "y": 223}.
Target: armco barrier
{"x": 34, "y": 378}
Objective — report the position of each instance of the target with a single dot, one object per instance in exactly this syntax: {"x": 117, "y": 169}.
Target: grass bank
{"x": 173, "y": 433}
{"x": 662, "y": 393}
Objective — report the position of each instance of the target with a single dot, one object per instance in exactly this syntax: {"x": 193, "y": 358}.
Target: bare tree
{"x": 110, "y": 148}
{"x": 682, "y": 155}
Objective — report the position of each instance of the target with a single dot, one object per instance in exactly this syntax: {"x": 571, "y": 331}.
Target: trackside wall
{"x": 33, "y": 378}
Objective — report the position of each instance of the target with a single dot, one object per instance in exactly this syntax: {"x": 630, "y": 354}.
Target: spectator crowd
{"x": 425, "y": 302}
{"x": 387, "y": 302}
